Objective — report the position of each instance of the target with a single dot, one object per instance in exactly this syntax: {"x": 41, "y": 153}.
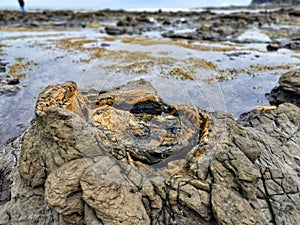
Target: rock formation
{"x": 288, "y": 89}
{"x": 125, "y": 156}
{"x": 275, "y": 2}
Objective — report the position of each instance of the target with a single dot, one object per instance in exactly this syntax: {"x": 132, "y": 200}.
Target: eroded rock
{"x": 125, "y": 156}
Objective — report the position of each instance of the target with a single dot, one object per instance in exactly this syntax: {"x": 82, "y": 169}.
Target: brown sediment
{"x": 229, "y": 44}
{"x": 34, "y": 30}
{"x": 188, "y": 45}
{"x": 227, "y": 74}
{"x": 179, "y": 73}
{"x": 135, "y": 67}
{"x": 109, "y": 39}
{"x": 1, "y": 49}
{"x": 276, "y": 33}
{"x": 296, "y": 56}
{"x": 17, "y": 70}
{"x": 289, "y": 23}
{"x": 265, "y": 67}
{"x": 75, "y": 43}
{"x": 136, "y": 62}
{"x": 36, "y": 35}
{"x": 163, "y": 53}
{"x": 233, "y": 73}
{"x": 93, "y": 24}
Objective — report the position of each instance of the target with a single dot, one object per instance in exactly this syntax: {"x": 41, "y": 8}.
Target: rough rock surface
{"x": 288, "y": 89}
{"x": 276, "y": 132}
{"x": 125, "y": 156}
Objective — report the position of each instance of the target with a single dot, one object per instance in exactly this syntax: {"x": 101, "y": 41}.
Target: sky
{"x": 119, "y": 4}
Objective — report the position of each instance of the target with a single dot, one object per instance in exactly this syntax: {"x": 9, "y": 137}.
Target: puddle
{"x": 254, "y": 35}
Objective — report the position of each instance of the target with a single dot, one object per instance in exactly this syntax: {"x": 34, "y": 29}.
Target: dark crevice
{"x": 266, "y": 197}
{"x": 5, "y": 194}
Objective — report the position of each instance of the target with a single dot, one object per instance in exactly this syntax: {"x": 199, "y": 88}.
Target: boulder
{"x": 288, "y": 89}
{"x": 113, "y": 30}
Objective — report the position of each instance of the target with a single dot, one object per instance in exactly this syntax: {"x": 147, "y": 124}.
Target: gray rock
{"x": 230, "y": 208}
{"x": 276, "y": 132}
{"x": 115, "y": 30}
{"x": 9, "y": 86}
{"x": 288, "y": 89}
{"x": 20, "y": 204}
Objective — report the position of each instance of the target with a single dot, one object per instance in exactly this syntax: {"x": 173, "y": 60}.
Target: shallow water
{"x": 213, "y": 76}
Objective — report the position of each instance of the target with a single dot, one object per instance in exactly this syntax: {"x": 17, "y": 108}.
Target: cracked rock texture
{"x": 124, "y": 156}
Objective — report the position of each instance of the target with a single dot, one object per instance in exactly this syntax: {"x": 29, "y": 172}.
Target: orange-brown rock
{"x": 125, "y": 156}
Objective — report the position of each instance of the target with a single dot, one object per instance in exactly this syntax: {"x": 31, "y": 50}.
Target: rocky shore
{"x": 199, "y": 25}
{"x": 125, "y": 156}
{"x": 275, "y": 2}
{"x": 133, "y": 153}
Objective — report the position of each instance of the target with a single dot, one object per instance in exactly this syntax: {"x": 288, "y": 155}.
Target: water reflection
{"x": 219, "y": 77}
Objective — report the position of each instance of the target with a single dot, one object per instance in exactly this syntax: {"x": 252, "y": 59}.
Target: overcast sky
{"x": 118, "y": 4}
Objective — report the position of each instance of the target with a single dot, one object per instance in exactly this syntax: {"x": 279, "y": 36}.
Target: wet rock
{"x": 9, "y": 85}
{"x": 188, "y": 36}
{"x": 213, "y": 31}
{"x": 128, "y": 21}
{"x": 2, "y": 66}
{"x": 273, "y": 47}
{"x": 294, "y": 12}
{"x": 105, "y": 45}
{"x": 237, "y": 54}
{"x": 205, "y": 27}
{"x": 166, "y": 22}
{"x": 144, "y": 18}
{"x": 293, "y": 44}
{"x": 125, "y": 156}
{"x": 224, "y": 27}
{"x": 288, "y": 89}
{"x": 200, "y": 34}
{"x": 115, "y": 30}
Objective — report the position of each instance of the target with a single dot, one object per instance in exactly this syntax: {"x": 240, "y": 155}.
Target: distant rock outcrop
{"x": 275, "y": 2}
{"x": 126, "y": 157}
